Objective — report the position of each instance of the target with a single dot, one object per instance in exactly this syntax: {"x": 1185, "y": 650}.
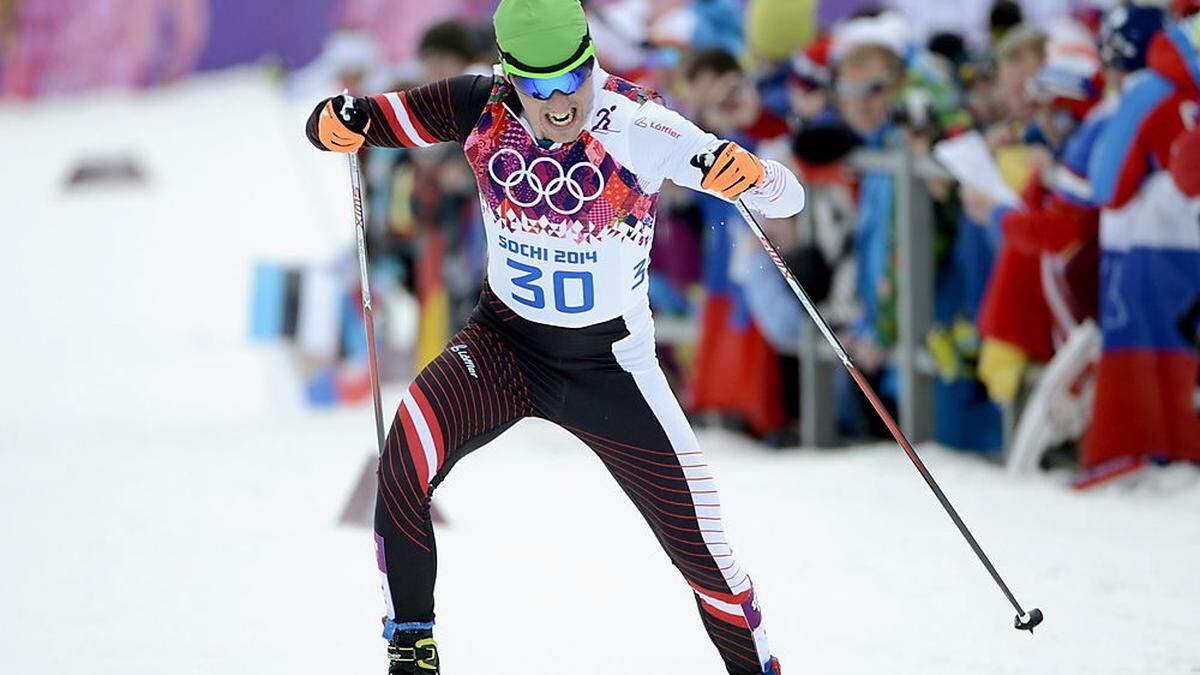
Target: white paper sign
{"x": 967, "y": 157}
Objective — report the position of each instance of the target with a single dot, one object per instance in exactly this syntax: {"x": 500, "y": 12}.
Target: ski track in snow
{"x": 167, "y": 509}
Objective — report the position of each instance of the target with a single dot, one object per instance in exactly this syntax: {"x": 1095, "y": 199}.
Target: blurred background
{"x": 1003, "y": 227}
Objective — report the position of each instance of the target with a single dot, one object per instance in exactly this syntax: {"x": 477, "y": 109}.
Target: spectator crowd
{"x": 1067, "y": 287}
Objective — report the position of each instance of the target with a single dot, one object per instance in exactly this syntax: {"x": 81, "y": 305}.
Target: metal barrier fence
{"x": 914, "y": 266}
{"x": 914, "y": 227}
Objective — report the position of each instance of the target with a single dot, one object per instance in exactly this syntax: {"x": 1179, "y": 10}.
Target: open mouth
{"x": 561, "y": 120}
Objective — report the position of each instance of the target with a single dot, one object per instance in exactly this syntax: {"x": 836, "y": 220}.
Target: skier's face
{"x": 561, "y": 117}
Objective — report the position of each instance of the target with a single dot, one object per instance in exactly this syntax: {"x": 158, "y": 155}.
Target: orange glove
{"x": 733, "y": 172}
{"x": 343, "y": 125}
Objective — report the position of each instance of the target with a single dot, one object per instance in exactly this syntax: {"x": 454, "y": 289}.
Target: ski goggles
{"x": 853, "y": 91}
{"x": 543, "y": 88}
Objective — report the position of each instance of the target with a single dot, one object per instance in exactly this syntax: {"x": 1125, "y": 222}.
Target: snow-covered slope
{"x": 217, "y": 551}
{"x": 130, "y": 303}
{"x": 160, "y": 513}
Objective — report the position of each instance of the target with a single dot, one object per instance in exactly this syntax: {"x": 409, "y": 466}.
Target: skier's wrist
{"x": 778, "y": 194}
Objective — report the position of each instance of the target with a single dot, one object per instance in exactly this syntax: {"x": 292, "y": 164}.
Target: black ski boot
{"x": 413, "y": 652}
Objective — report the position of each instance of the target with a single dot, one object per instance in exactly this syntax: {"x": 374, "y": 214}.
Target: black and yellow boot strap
{"x": 423, "y": 654}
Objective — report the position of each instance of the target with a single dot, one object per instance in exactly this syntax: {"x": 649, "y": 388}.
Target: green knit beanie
{"x": 541, "y": 38}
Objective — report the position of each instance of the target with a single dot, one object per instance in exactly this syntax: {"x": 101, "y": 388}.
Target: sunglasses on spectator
{"x": 543, "y": 88}
{"x": 853, "y": 91}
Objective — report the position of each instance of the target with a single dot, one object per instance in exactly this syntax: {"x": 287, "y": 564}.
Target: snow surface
{"x": 166, "y": 507}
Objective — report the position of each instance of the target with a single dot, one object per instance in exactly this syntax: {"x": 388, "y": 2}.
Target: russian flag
{"x": 1147, "y": 376}
{"x": 736, "y": 369}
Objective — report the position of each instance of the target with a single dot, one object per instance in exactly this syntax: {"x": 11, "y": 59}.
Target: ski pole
{"x": 360, "y": 228}
{"x": 1024, "y": 621}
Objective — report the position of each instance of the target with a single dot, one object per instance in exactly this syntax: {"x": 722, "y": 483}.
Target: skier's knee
{"x": 400, "y": 475}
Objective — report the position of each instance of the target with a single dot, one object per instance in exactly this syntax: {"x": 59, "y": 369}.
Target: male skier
{"x": 569, "y": 161}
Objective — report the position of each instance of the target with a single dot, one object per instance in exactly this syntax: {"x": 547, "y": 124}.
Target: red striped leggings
{"x": 604, "y": 386}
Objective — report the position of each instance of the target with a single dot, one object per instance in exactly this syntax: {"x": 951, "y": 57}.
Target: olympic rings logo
{"x": 525, "y": 175}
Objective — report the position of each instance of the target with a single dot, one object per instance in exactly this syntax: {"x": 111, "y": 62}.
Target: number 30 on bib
{"x": 573, "y": 292}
